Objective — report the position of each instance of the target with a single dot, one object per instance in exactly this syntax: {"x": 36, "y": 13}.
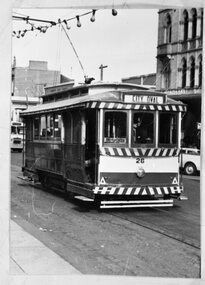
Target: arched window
{"x": 184, "y": 71}
{"x": 168, "y": 29}
{"x": 194, "y": 23}
{"x": 200, "y": 71}
{"x": 192, "y": 72}
{"x": 186, "y": 24}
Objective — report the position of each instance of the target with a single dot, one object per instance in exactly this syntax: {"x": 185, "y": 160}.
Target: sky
{"x": 126, "y": 43}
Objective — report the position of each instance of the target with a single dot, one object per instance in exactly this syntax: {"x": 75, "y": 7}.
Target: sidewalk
{"x": 29, "y": 256}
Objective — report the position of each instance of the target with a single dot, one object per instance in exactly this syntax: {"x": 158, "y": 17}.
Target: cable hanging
{"x": 88, "y": 80}
{"x": 44, "y": 28}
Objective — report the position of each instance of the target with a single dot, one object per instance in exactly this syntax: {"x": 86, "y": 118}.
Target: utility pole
{"x": 101, "y": 71}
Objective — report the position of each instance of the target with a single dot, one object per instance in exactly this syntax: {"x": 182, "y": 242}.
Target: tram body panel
{"x": 124, "y": 170}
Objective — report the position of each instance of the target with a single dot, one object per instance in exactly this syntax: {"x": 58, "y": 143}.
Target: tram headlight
{"x": 140, "y": 172}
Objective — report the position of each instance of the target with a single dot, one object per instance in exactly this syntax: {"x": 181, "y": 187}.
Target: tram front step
{"x": 83, "y": 198}
{"x": 136, "y": 203}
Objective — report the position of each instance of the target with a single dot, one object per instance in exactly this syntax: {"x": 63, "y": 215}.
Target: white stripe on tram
{"x": 111, "y": 105}
{"x": 152, "y": 107}
{"x": 128, "y": 151}
{"x": 129, "y": 190}
{"x": 119, "y": 106}
{"x": 112, "y": 191}
{"x": 166, "y": 190}
{"x": 151, "y": 190}
{"x": 159, "y": 190}
{"x": 93, "y": 104}
{"x": 119, "y": 151}
{"x": 111, "y": 151}
{"x": 137, "y": 190}
{"x": 102, "y": 105}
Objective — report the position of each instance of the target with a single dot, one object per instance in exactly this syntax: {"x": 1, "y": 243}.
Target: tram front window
{"x": 168, "y": 129}
{"x": 143, "y": 128}
{"x": 115, "y": 128}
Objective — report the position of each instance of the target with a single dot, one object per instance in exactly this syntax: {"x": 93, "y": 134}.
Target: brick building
{"x": 28, "y": 84}
{"x": 179, "y": 63}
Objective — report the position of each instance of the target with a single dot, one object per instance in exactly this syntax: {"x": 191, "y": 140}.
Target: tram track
{"x": 152, "y": 227}
{"x": 124, "y": 215}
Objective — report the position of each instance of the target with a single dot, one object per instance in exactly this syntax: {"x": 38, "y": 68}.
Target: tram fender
{"x": 80, "y": 190}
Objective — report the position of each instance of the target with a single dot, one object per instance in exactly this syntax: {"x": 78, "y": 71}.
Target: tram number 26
{"x": 140, "y": 160}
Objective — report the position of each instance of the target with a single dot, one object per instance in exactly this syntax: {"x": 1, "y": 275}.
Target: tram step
{"x": 182, "y": 197}
{"x": 136, "y": 204}
{"x": 83, "y": 198}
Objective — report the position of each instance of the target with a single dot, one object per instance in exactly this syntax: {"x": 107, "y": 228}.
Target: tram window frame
{"x": 40, "y": 133}
{"x": 116, "y": 144}
{"x": 140, "y": 144}
{"x": 170, "y": 144}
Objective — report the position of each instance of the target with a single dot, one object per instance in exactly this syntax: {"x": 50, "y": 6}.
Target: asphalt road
{"x": 139, "y": 242}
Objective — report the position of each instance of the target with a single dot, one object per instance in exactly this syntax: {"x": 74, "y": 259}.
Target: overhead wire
{"x": 74, "y": 50}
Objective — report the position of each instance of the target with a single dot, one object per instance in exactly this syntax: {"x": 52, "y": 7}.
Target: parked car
{"x": 190, "y": 161}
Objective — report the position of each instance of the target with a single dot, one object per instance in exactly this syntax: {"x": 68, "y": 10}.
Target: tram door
{"x": 91, "y": 145}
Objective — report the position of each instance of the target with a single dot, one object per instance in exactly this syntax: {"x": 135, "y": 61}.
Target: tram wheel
{"x": 189, "y": 168}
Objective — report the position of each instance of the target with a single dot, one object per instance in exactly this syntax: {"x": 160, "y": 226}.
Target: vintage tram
{"x": 115, "y": 144}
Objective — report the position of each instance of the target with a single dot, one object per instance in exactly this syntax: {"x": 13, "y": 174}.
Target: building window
{"x": 186, "y": 24}
{"x": 192, "y": 72}
{"x": 184, "y": 70}
{"x": 194, "y": 23}
{"x": 168, "y": 29}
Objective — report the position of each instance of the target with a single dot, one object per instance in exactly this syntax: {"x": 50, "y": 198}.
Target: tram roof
{"x": 69, "y": 87}
{"x": 115, "y": 97}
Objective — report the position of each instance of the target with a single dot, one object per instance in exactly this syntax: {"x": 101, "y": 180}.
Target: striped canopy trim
{"x": 147, "y": 107}
{"x": 135, "y": 152}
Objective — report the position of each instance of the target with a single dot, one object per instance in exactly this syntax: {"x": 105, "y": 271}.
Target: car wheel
{"x": 189, "y": 168}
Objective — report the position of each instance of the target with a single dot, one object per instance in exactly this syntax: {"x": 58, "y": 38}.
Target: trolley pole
{"x": 101, "y": 71}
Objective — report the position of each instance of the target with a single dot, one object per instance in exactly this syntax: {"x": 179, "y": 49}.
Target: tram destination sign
{"x": 144, "y": 99}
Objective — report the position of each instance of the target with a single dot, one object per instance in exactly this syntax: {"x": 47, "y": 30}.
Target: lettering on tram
{"x": 110, "y": 144}
{"x": 144, "y": 99}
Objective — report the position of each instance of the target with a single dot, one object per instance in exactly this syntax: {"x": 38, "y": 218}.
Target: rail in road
{"x": 152, "y": 242}
{"x": 169, "y": 222}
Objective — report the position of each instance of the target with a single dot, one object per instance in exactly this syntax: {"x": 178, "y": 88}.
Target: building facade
{"x": 28, "y": 85}
{"x": 145, "y": 79}
{"x": 179, "y": 63}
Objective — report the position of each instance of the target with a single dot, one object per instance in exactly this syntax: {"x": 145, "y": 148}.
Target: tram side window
{"x": 143, "y": 128}
{"x": 57, "y": 126}
{"x": 115, "y": 127}
{"x": 48, "y": 127}
{"x": 76, "y": 130}
{"x": 168, "y": 129}
{"x": 43, "y": 127}
{"x": 36, "y": 128}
